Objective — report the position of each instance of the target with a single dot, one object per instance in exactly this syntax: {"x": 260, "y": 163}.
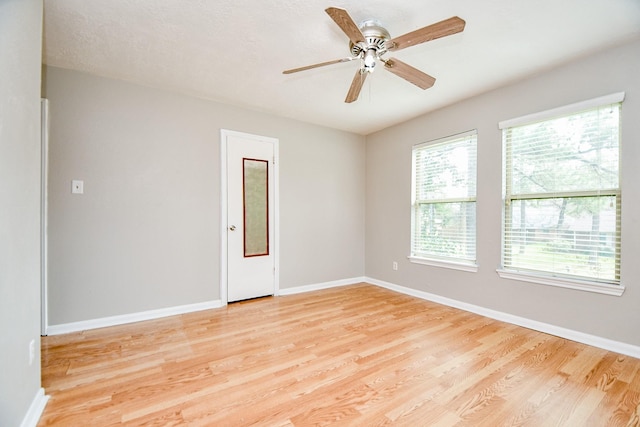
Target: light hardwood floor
{"x": 355, "y": 356}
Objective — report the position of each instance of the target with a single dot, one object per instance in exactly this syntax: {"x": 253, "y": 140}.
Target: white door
{"x": 250, "y": 217}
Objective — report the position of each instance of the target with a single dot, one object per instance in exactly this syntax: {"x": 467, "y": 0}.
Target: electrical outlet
{"x": 394, "y": 266}
{"x": 32, "y": 352}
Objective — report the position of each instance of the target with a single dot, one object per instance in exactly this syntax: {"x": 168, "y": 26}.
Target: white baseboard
{"x": 581, "y": 337}
{"x": 593, "y": 340}
{"x": 103, "y": 322}
{"x": 320, "y": 286}
{"x": 36, "y": 409}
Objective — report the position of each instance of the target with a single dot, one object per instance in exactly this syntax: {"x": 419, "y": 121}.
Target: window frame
{"x": 435, "y": 260}
{"x": 548, "y": 278}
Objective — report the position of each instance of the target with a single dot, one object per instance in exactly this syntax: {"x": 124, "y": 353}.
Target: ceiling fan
{"x": 369, "y": 41}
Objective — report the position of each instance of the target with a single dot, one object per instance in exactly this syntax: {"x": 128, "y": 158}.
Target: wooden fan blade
{"x": 344, "y": 21}
{"x": 444, "y": 28}
{"x": 356, "y": 86}
{"x": 409, "y": 73}
{"x": 321, "y": 64}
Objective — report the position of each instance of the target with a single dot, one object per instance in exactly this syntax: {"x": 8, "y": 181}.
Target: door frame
{"x": 44, "y": 212}
{"x": 224, "y": 223}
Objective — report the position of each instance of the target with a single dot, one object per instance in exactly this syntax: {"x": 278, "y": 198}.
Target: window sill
{"x": 472, "y": 268}
{"x": 601, "y": 288}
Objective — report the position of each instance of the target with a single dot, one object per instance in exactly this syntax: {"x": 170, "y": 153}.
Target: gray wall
{"x": 388, "y": 199}
{"x": 145, "y": 233}
{"x": 20, "y": 44}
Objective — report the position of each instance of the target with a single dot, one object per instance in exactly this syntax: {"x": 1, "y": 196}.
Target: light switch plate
{"x": 77, "y": 186}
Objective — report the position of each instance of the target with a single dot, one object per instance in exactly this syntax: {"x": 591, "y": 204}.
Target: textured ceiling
{"x": 235, "y": 51}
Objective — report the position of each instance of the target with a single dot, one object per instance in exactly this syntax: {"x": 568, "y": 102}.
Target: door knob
{"x": 232, "y": 228}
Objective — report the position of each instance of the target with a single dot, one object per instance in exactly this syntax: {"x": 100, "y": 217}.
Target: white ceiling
{"x": 234, "y": 51}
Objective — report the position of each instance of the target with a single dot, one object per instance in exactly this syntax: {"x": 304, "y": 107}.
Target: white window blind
{"x": 444, "y": 199}
{"x": 562, "y": 196}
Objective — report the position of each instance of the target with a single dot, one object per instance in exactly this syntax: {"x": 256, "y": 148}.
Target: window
{"x": 562, "y": 195}
{"x": 444, "y": 202}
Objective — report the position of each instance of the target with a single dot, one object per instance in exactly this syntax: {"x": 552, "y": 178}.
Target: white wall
{"x": 145, "y": 233}
{"x": 20, "y": 45}
{"x": 389, "y": 184}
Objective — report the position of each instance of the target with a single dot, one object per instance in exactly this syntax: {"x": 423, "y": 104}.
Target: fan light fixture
{"x": 369, "y": 60}
{"x": 370, "y": 41}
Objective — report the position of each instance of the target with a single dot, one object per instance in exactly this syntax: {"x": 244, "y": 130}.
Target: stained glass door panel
{"x": 256, "y": 207}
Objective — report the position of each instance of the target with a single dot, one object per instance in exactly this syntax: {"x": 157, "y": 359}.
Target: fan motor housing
{"x": 376, "y": 37}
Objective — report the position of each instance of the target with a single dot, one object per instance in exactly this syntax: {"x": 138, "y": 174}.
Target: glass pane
{"x": 446, "y": 171}
{"x": 445, "y": 230}
{"x": 575, "y": 153}
{"x": 571, "y": 237}
{"x": 256, "y": 207}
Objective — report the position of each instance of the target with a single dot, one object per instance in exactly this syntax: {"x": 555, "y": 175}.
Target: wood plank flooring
{"x": 351, "y": 356}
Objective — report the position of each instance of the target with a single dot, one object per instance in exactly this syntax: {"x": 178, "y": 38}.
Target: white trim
{"x": 320, "y": 286}
{"x": 223, "y": 216}
{"x": 601, "y": 288}
{"x": 224, "y": 134}
{"x": 593, "y": 340}
{"x": 561, "y": 111}
{"x": 183, "y": 309}
{"x": 472, "y": 268}
{"x": 444, "y": 139}
{"x": 122, "y": 319}
{"x": 276, "y": 214}
{"x": 36, "y": 409}
{"x": 44, "y": 208}
{"x": 581, "y": 337}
